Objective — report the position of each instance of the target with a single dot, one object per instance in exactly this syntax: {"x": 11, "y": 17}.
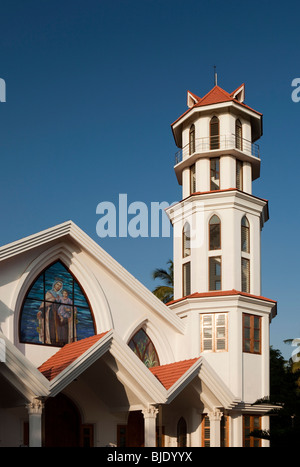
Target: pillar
{"x": 35, "y": 410}
{"x": 215, "y": 428}
{"x": 150, "y": 426}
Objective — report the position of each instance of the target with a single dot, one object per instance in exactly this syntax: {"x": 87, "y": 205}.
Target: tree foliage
{"x": 164, "y": 292}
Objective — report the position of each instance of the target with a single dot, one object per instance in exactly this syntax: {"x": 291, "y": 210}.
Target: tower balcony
{"x": 216, "y": 146}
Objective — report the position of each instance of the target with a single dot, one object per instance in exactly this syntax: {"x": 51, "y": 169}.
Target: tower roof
{"x": 217, "y": 95}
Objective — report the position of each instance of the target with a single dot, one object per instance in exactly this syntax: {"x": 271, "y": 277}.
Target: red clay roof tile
{"x": 170, "y": 373}
{"x": 220, "y": 293}
{"x": 67, "y": 355}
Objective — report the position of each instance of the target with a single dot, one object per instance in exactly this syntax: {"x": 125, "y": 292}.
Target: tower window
{"x": 186, "y": 240}
{"x": 214, "y": 332}
{"x": 193, "y": 179}
{"x": 214, "y": 133}
{"x": 239, "y": 175}
{"x": 55, "y": 311}
{"x": 192, "y": 139}
{"x": 215, "y": 173}
{"x": 215, "y": 273}
{"x": 245, "y": 235}
{"x": 245, "y": 275}
{"x": 251, "y": 333}
{"x": 144, "y": 348}
{"x": 238, "y": 135}
{"x": 186, "y": 279}
{"x": 214, "y": 233}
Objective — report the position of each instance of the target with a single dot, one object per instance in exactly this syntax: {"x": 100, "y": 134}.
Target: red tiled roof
{"x": 215, "y": 96}
{"x": 170, "y": 373}
{"x": 67, "y": 355}
{"x": 221, "y": 293}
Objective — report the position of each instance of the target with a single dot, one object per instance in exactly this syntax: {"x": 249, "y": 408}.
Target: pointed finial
{"x": 215, "y": 75}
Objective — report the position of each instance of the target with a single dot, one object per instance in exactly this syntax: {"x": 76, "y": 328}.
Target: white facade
{"x": 205, "y": 372}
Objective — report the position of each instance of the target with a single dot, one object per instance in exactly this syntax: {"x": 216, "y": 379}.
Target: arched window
{"x": 239, "y": 175}
{"x": 181, "y": 433}
{"x": 55, "y": 310}
{"x": 214, "y": 233}
{"x": 186, "y": 240}
{"x": 193, "y": 179}
{"x": 192, "y": 140}
{"x": 238, "y": 135}
{"x": 245, "y": 235}
{"x": 144, "y": 348}
{"x": 214, "y": 133}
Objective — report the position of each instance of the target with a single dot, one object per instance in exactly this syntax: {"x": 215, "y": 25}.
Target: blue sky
{"x": 92, "y": 89}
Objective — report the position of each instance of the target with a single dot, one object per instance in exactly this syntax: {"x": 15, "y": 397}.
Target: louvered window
{"x": 214, "y": 133}
{"x": 205, "y": 431}
{"x": 245, "y": 275}
{"x": 214, "y": 332}
{"x": 186, "y": 279}
{"x": 186, "y": 240}
{"x": 238, "y": 135}
{"x": 239, "y": 175}
{"x": 214, "y": 233}
{"x": 215, "y": 173}
{"x": 245, "y": 234}
{"x": 215, "y": 273}
{"x": 251, "y": 333}
{"x": 192, "y": 140}
{"x": 207, "y": 332}
{"x": 193, "y": 178}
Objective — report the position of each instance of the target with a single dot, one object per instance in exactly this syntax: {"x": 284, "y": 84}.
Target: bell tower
{"x": 218, "y": 222}
{"x": 217, "y": 239}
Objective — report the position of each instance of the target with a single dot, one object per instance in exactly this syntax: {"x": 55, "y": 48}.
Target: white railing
{"x": 212, "y": 143}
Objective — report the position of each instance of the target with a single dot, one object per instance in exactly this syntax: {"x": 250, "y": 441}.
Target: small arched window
{"x": 186, "y": 240}
{"x": 214, "y": 133}
{"x": 55, "y": 311}
{"x": 181, "y": 433}
{"x": 144, "y": 348}
{"x": 192, "y": 140}
{"x": 214, "y": 233}
{"x": 238, "y": 135}
{"x": 245, "y": 235}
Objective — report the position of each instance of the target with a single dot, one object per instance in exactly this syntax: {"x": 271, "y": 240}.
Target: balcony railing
{"x": 221, "y": 142}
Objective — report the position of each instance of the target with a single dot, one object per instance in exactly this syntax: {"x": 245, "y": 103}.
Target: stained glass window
{"x": 143, "y": 347}
{"x": 55, "y": 310}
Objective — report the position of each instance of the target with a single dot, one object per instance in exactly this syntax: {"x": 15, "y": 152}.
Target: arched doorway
{"x": 135, "y": 429}
{"x": 62, "y": 422}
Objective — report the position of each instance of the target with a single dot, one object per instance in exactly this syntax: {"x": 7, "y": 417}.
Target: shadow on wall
{"x": 5, "y": 313}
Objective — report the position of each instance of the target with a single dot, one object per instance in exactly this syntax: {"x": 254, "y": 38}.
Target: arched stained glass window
{"x": 143, "y": 347}
{"x": 55, "y": 310}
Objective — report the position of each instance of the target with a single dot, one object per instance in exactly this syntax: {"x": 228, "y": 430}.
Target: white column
{"x": 150, "y": 426}
{"x": 35, "y": 410}
{"x": 215, "y": 428}
{"x": 195, "y": 428}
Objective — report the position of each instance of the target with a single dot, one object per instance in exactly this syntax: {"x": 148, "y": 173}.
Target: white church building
{"x": 90, "y": 357}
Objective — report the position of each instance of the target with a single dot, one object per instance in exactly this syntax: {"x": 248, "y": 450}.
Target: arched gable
{"x": 90, "y": 285}
{"x": 55, "y": 310}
